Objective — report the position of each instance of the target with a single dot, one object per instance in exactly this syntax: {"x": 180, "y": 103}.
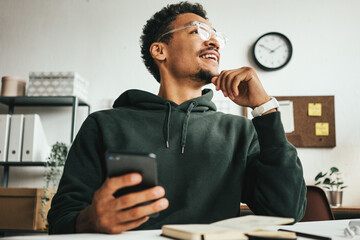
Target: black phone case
{"x": 120, "y": 163}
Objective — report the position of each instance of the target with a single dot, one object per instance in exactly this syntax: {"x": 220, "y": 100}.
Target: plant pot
{"x": 335, "y": 198}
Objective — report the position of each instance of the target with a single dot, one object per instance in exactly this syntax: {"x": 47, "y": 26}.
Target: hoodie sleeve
{"x": 274, "y": 183}
{"x": 83, "y": 175}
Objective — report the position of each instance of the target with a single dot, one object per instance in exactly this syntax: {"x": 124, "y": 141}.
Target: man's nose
{"x": 213, "y": 42}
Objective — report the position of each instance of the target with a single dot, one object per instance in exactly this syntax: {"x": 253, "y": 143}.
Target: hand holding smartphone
{"x": 120, "y": 163}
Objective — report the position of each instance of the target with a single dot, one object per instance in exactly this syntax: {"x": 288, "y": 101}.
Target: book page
{"x": 252, "y": 222}
{"x": 201, "y": 231}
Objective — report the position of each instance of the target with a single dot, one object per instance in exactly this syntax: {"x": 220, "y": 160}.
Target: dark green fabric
{"x": 226, "y": 159}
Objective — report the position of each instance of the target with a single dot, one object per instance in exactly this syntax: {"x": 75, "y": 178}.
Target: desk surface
{"x": 333, "y": 229}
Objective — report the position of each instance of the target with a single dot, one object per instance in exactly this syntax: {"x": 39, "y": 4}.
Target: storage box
{"x": 12, "y": 86}
{"x": 57, "y": 84}
{"x": 20, "y": 208}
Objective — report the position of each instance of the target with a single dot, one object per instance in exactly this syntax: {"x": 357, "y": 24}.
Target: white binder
{"x": 35, "y": 147}
{"x": 4, "y": 136}
{"x": 15, "y": 137}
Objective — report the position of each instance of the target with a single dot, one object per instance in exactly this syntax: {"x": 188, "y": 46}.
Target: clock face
{"x": 272, "y": 51}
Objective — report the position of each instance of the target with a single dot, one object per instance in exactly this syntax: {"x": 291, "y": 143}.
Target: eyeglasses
{"x": 204, "y": 32}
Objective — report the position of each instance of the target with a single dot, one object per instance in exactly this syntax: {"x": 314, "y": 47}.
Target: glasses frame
{"x": 212, "y": 32}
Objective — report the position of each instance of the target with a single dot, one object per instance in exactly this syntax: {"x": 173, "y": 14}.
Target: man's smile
{"x": 212, "y": 55}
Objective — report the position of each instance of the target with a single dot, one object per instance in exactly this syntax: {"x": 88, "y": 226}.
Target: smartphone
{"x": 120, "y": 163}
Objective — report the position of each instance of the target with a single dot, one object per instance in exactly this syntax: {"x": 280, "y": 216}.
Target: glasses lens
{"x": 204, "y": 33}
{"x": 221, "y": 39}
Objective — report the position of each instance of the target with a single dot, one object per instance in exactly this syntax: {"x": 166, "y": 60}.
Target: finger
{"x": 227, "y": 78}
{"x": 111, "y": 185}
{"x": 231, "y": 77}
{"x": 213, "y": 80}
{"x": 235, "y": 85}
{"x": 133, "y": 199}
{"x": 142, "y": 211}
{"x": 119, "y": 228}
{"x": 223, "y": 83}
{"x": 219, "y": 79}
{"x": 250, "y": 73}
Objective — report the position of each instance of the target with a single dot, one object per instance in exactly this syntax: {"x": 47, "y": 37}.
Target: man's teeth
{"x": 212, "y": 56}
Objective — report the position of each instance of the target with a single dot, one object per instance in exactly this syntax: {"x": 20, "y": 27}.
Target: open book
{"x": 233, "y": 228}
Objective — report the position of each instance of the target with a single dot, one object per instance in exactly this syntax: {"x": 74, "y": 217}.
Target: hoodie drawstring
{"x": 167, "y": 126}
{"x": 185, "y": 126}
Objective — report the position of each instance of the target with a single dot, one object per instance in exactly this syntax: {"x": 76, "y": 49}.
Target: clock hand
{"x": 265, "y": 47}
{"x": 276, "y": 48}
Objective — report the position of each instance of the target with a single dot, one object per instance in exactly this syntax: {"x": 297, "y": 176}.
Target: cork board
{"x": 308, "y": 130}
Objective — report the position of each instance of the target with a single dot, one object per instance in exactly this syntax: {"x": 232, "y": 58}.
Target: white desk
{"x": 333, "y": 229}
{"x": 131, "y": 235}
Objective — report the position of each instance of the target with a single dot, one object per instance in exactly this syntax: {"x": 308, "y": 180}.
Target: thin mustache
{"x": 209, "y": 49}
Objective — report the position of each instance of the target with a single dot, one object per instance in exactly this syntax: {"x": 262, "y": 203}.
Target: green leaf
{"x": 54, "y": 165}
{"x": 327, "y": 181}
{"x": 334, "y": 170}
{"x": 320, "y": 175}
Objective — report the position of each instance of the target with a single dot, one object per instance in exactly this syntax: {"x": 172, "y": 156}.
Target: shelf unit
{"x": 41, "y": 101}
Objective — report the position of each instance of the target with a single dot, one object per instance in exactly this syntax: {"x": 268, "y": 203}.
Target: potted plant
{"x": 53, "y": 171}
{"x": 333, "y": 182}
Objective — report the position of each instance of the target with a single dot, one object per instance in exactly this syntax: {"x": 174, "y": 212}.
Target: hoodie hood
{"x": 148, "y": 101}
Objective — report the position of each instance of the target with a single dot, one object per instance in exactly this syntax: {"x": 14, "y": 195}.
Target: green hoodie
{"x": 208, "y": 162}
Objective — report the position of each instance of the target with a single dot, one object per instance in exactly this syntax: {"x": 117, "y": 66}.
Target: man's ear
{"x": 158, "y": 51}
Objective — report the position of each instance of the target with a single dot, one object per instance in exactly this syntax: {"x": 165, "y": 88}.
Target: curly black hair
{"x": 160, "y": 23}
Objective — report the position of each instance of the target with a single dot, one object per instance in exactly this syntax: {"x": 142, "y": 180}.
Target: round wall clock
{"x": 272, "y": 51}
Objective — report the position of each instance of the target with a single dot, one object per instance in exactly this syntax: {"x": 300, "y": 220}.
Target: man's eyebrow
{"x": 190, "y": 23}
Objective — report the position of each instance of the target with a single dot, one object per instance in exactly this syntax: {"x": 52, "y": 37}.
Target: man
{"x": 208, "y": 162}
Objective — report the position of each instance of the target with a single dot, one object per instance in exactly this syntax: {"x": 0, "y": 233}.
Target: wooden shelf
{"x": 346, "y": 209}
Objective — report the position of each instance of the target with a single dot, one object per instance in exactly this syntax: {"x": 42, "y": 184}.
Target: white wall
{"x": 100, "y": 40}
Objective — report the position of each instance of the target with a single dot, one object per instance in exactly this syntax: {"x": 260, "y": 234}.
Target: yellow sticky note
{"x": 322, "y": 129}
{"x": 314, "y": 109}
